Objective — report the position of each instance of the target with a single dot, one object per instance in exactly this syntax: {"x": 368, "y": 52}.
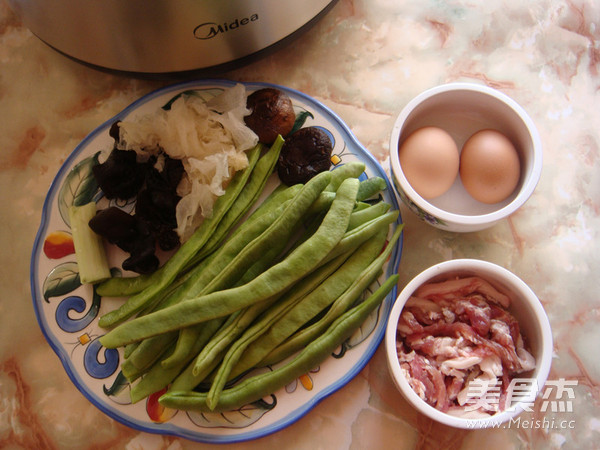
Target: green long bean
{"x": 369, "y": 187}
{"x": 352, "y": 169}
{"x": 146, "y": 355}
{"x": 369, "y": 213}
{"x": 356, "y": 236}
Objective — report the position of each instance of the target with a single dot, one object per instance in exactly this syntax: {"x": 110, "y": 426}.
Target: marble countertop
{"x": 365, "y": 60}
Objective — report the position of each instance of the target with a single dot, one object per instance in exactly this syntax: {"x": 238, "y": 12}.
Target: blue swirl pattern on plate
{"x": 92, "y": 364}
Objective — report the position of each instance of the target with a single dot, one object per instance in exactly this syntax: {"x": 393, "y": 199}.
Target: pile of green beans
{"x": 259, "y": 386}
{"x": 250, "y": 290}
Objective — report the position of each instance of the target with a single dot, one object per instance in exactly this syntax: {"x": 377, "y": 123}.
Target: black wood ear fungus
{"x": 272, "y": 114}
{"x": 120, "y": 176}
{"x": 154, "y": 221}
{"x": 305, "y": 153}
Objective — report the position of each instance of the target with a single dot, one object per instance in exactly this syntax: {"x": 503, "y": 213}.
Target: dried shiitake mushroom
{"x": 272, "y": 114}
{"x": 305, "y": 153}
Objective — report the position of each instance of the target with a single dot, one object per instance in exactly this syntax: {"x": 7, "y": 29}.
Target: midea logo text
{"x": 209, "y": 30}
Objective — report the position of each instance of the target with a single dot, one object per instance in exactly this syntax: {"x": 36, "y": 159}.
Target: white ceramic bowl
{"x": 526, "y": 308}
{"x": 463, "y": 109}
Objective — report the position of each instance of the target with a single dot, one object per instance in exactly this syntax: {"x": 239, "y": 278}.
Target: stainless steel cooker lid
{"x": 165, "y": 35}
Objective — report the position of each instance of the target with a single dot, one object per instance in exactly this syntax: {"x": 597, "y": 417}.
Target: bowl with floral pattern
{"x": 461, "y": 110}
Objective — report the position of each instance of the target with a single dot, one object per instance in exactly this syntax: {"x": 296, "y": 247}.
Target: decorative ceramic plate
{"x": 68, "y": 312}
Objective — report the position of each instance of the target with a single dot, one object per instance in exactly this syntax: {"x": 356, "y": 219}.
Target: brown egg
{"x": 489, "y": 166}
{"x": 429, "y": 159}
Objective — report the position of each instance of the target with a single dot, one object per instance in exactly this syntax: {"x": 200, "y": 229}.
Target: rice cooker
{"x": 165, "y": 36}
